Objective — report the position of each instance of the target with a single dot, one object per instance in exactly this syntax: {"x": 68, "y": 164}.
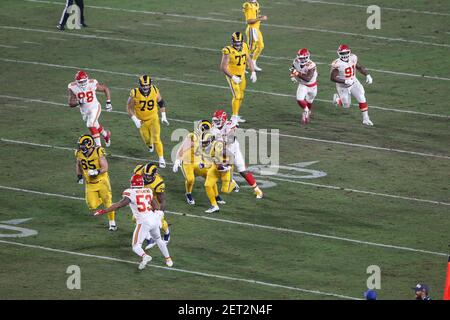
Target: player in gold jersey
{"x": 154, "y": 181}
{"x": 142, "y": 107}
{"x": 92, "y": 170}
{"x": 234, "y": 61}
{"x": 191, "y": 158}
{"x": 253, "y": 33}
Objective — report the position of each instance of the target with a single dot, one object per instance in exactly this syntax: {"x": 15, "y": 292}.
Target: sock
{"x": 211, "y": 195}
{"x": 249, "y": 178}
{"x": 159, "y": 149}
{"x": 163, "y": 248}
{"x": 111, "y": 217}
{"x": 189, "y": 183}
{"x": 96, "y": 136}
{"x": 165, "y": 226}
{"x": 302, "y": 104}
{"x": 365, "y": 115}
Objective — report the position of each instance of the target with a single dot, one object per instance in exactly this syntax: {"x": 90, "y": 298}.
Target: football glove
{"x": 236, "y": 79}
{"x": 93, "y": 172}
{"x": 253, "y": 77}
{"x": 369, "y": 79}
{"x": 99, "y": 212}
{"x": 176, "y": 165}
{"x": 223, "y": 167}
{"x": 80, "y": 179}
{"x": 164, "y": 119}
{"x": 136, "y": 121}
{"x": 108, "y": 106}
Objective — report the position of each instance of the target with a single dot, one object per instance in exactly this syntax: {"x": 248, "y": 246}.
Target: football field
{"x": 346, "y": 197}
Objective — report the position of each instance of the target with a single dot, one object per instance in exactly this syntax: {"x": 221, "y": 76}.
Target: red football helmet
{"x": 137, "y": 181}
{"x": 82, "y": 79}
{"x": 219, "y": 118}
{"x": 303, "y": 56}
{"x": 344, "y": 52}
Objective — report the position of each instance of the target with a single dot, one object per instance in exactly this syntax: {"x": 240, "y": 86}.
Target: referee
{"x": 65, "y": 14}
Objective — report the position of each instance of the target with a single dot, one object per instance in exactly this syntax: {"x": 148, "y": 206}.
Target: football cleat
{"x": 108, "y": 139}
{"x": 60, "y": 27}
{"x": 190, "y": 200}
{"x": 162, "y": 163}
{"x": 145, "y": 259}
{"x": 169, "y": 262}
{"x": 112, "y": 226}
{"x": 151, "y": 148}
{"x": 240, "y": 119}
{"x": 367, "y": 122}
{"x": 305, "y": 117}
{"x": 151, "y": 244}
{"x": 213, "y": 209}
{"x": 259, "y": 193}
{"x": 220, "y": 200}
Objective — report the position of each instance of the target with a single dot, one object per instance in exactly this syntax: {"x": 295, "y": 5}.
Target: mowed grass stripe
{"x": 252, "y": 225}
{"x": 197, "y": 273}
{"x": 182, "y": 46}
{"x": 241, "y": 22}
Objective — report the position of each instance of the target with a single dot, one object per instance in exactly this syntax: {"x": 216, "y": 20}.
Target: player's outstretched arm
{"x": 334, "y": 76}
{"x": 105, "y": 89}
{"x": 361, "y": 68}
{"x": 79, "y": 172}
{"x": 115, "y": 206}
{"x": 130, "y": 111}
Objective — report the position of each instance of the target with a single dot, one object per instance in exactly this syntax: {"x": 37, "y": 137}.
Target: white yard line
{"x": 212, "y": 86}
{"x": 175, "y": 45}
{"x": 197, "y": 273}
{"x": 240, "y": 22}
{"x": 349, "y": 144}
{"x": 251, "y": 225}
{"x": 270, "y": 177}
{"x": 382, "y": 8}
{"x": 8, "y": 47}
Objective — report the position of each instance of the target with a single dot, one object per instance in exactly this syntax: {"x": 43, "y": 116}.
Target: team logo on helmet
{"x": 207, "y": 139}
{"x": 344, "y": 52}
{"x": 81, "y": 79}
{"x": 145, "y": 83}
{"x": 203, "y": 126}
{"x": 85, "y": 143}
{"x": 237, "y": 39}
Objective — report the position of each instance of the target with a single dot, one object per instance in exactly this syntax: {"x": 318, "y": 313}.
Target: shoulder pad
{"x": 226, "y": 50}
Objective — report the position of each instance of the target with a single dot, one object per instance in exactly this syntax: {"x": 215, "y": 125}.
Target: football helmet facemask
{"x": 145, "y": 83}
{"x": 149, "y": 173}
{"x": 219, "y": 118}
{"x": 344, "y": 52}
{"x": 303, "y": 56}
{"x": 237, "y": 39}
{"x": 85, "y": 143}
{"x": 81, "y": 79}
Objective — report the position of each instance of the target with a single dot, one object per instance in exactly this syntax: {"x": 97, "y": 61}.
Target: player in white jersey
{"x": 148, "y": 219}
{"x": 82, "y": 92}
{"x": 225, "y": 131}
{"x": 304, "y": 72}
{"x": 343, "y": 72}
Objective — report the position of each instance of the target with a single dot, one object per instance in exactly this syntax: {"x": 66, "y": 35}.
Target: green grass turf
{"x": 306, "y": 261}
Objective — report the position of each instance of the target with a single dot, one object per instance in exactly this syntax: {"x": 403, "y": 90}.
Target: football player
{"x": 142, "y": 107}
{"x": 154, "y": 181}
{"x": 304, "y": 72}
{"x": 343, "y": 72}
{"x": 234, "y": 60}
{"x": 225, "y": 131}
{"x": 148, "y": 218}
{"x": 82, "y": 93}
{"x": 220, "y": 168}
{"x": 191, "y": 158}
{"x": 92, "y": 170}
{"x": 255, "y": 39}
